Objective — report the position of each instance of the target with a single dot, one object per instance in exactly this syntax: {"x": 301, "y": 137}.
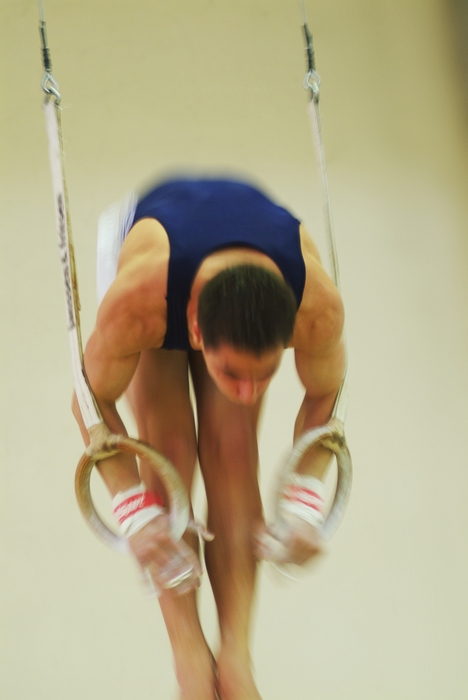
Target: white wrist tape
{"x": 303, "y": 496}
{"x": 135, "y": 507}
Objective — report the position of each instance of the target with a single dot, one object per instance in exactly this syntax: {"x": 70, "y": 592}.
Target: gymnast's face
{"x": 242, "y": 377}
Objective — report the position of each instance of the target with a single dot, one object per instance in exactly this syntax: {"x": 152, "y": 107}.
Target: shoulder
{"x": 132, "y": 315}
{"x": 320, "y": 318}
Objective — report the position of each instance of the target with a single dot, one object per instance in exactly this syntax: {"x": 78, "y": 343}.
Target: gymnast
{"x": 211, "y": 278}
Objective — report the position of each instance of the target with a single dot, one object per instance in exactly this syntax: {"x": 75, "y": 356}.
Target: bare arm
{"x": 320, "y": 362}
{"x": 111, "y": 358}
{"x": 109, "y": 376}
{"x": 128, "y": 321}
{"x": 321, "y": 377}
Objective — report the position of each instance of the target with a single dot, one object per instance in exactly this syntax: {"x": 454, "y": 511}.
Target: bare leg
{"x": 159, "y": 398}
{"x": 228, "y": 453}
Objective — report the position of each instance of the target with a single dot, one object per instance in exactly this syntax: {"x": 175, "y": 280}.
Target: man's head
{"x": 246, "y": 318}
{"x": 247, "y": 307}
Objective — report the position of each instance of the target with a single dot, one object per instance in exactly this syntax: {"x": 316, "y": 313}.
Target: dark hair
{"x": 247, "y": 307}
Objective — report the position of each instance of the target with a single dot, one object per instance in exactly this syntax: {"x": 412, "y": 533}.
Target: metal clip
{"x": 312, "y": 83}
{"x": 50, "y": 87}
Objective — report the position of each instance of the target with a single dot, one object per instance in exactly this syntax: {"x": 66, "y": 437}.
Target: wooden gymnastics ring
{"x": 333, "y": 438}
{"x": 107, "y": 445}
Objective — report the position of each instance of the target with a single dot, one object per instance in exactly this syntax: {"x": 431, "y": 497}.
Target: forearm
{"x": 120, "y": 471}
{"x": 312, "y": 414}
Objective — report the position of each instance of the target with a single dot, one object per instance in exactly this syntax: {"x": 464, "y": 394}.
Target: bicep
{"x": 113, "y": 350}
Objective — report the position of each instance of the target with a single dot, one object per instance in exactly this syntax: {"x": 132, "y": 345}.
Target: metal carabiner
{"x": 312, "y": 83}
{"x": 50, "y": 87}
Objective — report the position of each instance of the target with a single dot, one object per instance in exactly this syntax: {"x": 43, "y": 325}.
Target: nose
{"x": 247, "y": 392}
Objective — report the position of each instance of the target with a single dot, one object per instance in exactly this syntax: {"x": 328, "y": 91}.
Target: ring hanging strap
{"x": 88, "y": 407}
{"x": 312, "y": 84}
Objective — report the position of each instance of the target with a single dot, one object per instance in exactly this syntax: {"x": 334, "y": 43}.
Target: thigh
{"x": 160, "y": 400}
{"x": 227, "y": 434}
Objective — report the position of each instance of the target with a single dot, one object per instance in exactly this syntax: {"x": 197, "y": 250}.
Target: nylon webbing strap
{"x": 312, "y": 84}
{"x": 84, "y": 395}
{"x": 86, "y": 401}
{"x": 313, "y": 110}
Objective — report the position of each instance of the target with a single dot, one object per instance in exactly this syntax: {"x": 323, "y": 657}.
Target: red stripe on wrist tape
{"x": 135, "y": 503}
{"x": 300, "y": 494}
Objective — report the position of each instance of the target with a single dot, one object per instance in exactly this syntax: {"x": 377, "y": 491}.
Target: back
{"x": 201, "y": 216}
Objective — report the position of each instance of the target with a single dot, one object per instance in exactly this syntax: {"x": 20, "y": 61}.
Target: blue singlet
{"x": 201, "y": 216}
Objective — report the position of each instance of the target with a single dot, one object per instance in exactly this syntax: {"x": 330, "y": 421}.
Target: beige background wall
{"x": 205, "y": 85}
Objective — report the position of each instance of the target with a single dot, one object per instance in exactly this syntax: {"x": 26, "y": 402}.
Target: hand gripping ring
{"x": 332, "y": 437}
{"x": 113, "y": 444}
